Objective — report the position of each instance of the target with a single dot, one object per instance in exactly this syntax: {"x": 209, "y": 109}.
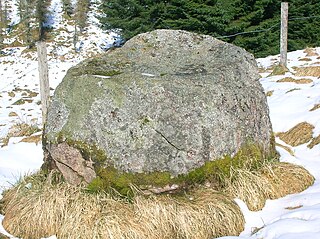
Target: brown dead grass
{"x": 279, "y": 70}
{"x": 291, "y": 90}
{"x": 270, "y": 182}
{"x": 3, "y": 236}
{"x": 13, "y": 114}
{"x": 297, "y": 81}
{"x": 293, "y": 208}
{"x": 32, "y": 139}
{"x": 43, "y": 209}
{"x": 315, "y": 107}
{"x": 299, "y": 134}
{"x": 19, "y": 130}
{"x": 250, "y": 187}
{"x": 308, "y": 71}
{"x": 310, "y": 52}
{"x": 288, "y": 149}
{"x": 305, "y": 59}
{"x": 287, "y": 179}
{"x": 53, "y": 208}
{"x": 315, "y": 141}
{"x": 269, "y": 93}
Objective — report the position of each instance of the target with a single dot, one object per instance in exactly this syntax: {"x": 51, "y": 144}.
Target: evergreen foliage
{"x": 25, "y": 9}
{"x": 81, "y": 11}
{"x": 41, "y": 10}
{"x": 67, "y": 7}
{"x": 219, "y": 18}
{"x": 2, "y": 23}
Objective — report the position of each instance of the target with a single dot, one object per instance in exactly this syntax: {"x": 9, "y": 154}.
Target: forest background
{"x": 257, "y": 21}
{"x": 260, "y": 19}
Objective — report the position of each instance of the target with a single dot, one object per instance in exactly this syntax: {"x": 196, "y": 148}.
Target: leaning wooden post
{"x": 284, "y": 34}
{"x": 44, "y": 79}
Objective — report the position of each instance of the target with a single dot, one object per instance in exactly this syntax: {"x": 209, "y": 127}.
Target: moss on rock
{"x": 215, "y": 172}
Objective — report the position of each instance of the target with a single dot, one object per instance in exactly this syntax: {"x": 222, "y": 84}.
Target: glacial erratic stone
{"x": 166, "y": 101}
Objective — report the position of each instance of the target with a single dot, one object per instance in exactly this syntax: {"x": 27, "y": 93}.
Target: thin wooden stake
{"x": 44, "y": 79}
{"x": 284, "y": 34}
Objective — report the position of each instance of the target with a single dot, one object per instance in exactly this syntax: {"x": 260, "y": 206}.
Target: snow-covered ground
{"x": 295, "y": 216}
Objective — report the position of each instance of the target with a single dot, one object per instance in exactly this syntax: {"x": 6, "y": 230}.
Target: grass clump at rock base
{"x": 67, "y": 211}
{"x": 52, "y": 207}
{"x": 214, "y": 172}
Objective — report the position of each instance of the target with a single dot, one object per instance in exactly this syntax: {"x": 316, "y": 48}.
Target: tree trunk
{"x": 284, "y": 34}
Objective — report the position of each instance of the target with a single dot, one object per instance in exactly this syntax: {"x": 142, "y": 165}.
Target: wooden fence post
{"x": 44, "y": 79}
{"x": 284, "y": 34}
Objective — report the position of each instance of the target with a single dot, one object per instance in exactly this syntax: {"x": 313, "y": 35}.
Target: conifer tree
{"x": 259, "y": 19}
{"x": 81, "y": 12}
{"x": 2, "y": 24}
{"x": 41, "y": 11}
{"x": 67, "y": 7}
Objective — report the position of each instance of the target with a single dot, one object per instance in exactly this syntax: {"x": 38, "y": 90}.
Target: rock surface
{"x": 166, "y": 101}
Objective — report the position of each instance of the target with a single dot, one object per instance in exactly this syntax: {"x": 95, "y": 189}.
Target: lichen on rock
{"x": 166, "y": 102}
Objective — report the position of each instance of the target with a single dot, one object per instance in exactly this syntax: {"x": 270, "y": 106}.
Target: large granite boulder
{"x": 166, "y": 101}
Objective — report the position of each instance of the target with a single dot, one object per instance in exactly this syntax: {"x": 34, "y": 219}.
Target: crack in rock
{"x": 168, "y": 141}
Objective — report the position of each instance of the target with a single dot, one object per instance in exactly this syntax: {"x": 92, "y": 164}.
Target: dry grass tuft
{"x": 270, "y": 182}
{"x": 315, "y": 107}
{"x": 19, "y": 130}
{"x": 308, "y": 71}
{"x": 297, "y": 81}
{"x": 32, "y": 139}
{"x": 269, "y": 93}
{"x": 279, "y": 70}
{"x": 3, "y": 236}
{"x": 12, "y": 114}
{"x": 315, "y": 141}
{"x": 305, "y": 59}
{"x": 23, "y": 129}
{"x": 250, "y": 187}
{"x": 293, "y": 208}
{"x": 310, "y": 52}
{"x": 288, "y": 149}
{"x": 287, "y": 178}
{"x": 70, "y": 212}
{"x": 291, "y": 90}
{"x": 299, "y": 134}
